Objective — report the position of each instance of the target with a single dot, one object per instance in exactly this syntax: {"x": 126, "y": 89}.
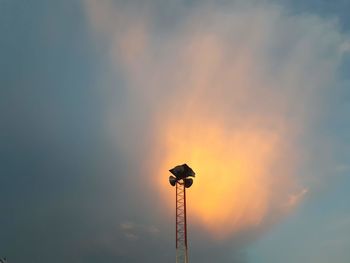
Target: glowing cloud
{"x": 230, "y": 91}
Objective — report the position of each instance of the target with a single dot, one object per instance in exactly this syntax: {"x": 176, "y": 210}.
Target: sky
{"x": 99, "y": 99}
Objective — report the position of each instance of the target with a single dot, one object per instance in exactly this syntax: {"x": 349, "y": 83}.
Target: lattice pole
{"x": 181, "y": 224}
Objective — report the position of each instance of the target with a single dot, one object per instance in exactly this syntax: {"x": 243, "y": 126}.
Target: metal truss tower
{"x": 181, "y": 224}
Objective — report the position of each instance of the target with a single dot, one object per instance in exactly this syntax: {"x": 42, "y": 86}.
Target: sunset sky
{"x": 100, "y": 98}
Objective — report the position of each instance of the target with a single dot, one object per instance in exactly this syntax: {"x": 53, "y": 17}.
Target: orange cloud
{"x": 230, "y": 92}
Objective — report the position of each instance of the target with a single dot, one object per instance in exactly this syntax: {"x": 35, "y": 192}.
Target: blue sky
{"x": 76, "y": 126}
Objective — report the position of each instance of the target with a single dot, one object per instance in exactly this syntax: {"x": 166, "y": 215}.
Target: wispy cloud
{"x": 296, "y": 198}
{"x": 342, "y": 168}
{"x": 132, "y": 231}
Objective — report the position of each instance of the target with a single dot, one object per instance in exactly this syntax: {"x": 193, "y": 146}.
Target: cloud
{"x": 132, "y": 231}
{"x": 232, "y": 90}
{"x": 342, "y": 168}
{"x": 345, "y": 47}
{"x": 294, "y": 199}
